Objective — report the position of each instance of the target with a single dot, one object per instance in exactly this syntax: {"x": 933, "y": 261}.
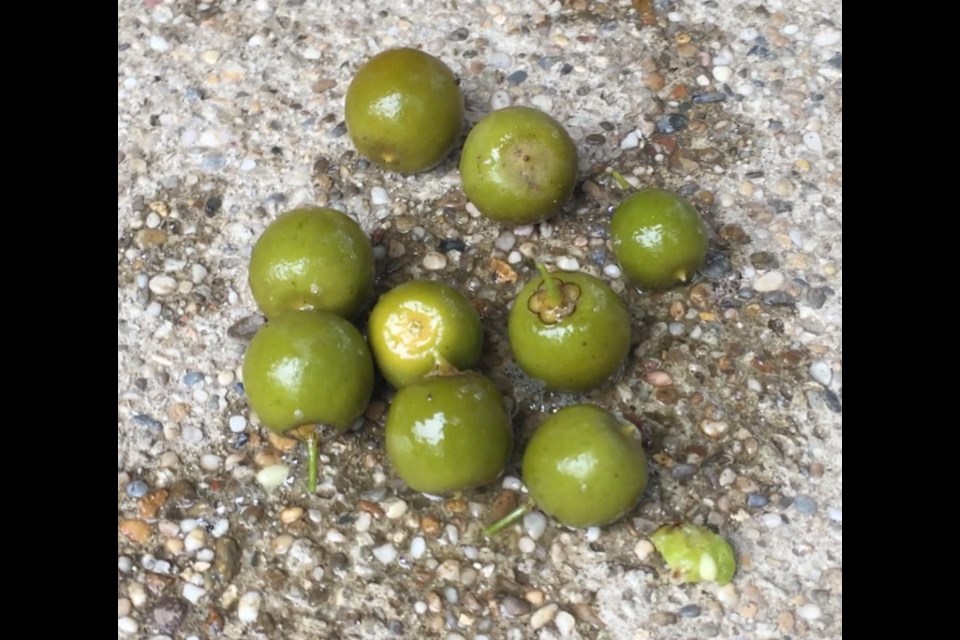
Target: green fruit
{"x": 518, "y": 166}
{"x": 404, "y": 110}
{"x": 574, "y": 339}
{"x": 658, "y": 238}
{"x": 584, "y": 467}
{"x": 308, "y": 367}
{"x": 448, "y": 433}
{"x": 312, "y": 258}
{"x": 695, "y": 553}
{"x": 420, "y": 327}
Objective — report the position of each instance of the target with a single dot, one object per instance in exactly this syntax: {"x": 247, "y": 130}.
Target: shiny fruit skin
{"x": 518, "y": 166}
{"x": 448, "y": 433}
{"x": 404, "y": 110}
{"x": 695, "y": 553}
{"x": 420, "y": 327}
{"x": 308, "y": 367}
{"x": 659, "y": 238}
{"x": 580, "y": 352}
{"x": 584, "y": 467}
{"x": 312, "y": 258}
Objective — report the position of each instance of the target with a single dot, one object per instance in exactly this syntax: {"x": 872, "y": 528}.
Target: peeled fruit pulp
{"x": 518, "y": 166}
{"x": 447, "y": 433}
{"x": 574, "y": 341}
{"x": 695, "y": 553}
{"x": 312, "y": 258}
{"x": 308, "y": 367}
{"x": 659, "y": 238}
{"x": 584, "y": 467}
{"x": 404, "y": 110}
{"x": 420, "y": 327}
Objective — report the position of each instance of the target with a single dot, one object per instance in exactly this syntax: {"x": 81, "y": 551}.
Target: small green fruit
{"x": 420, "y": 327}
{"x": 308, "y": 367}
{"x": 659, "y": 238}
{"x": 695, "y": 553}
{"x": 404, "y": 110}
{"x": 575, "y": 340}
{"x": 448, "y": 433}
{"x": 518, "y": 166}
{"x": 312, "y": 258}
{"x": 584, "y": 467}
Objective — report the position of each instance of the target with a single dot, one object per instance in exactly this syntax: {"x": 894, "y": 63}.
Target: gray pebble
{"x": 168, "y": 614}
{"x": 805, "y": 504}
{"x": 339, "y": 130}
{"x": 707, "y": 98}
{"x": 151, "y": 424}
{"x": 689, "y": 611}
{"x": 514, "y": 607}
{"x": 458, "y": 34}
{"x": 595, "y": 139}
{"x": 709, "y": 630}
{"x": 244, "y": 329}
{"x": 815, "y": 297}
{"x": 517, "y": 77}
{"x": 192, "y": 378}
{"x": 547, "y": 62}
{"x": 137, "y": 489}
{"x": 213, "y": 162}
{"x": 683, "y": 471}
{"x": 663, "y": 618}
{"x": 821, "y": 372}
{"x": 757, "y": 500}
{"x": 715, "y": 265}
{"x": 671, "y": 123}
{"x": 777, "y": 299}
{"x": 832, "y": 400}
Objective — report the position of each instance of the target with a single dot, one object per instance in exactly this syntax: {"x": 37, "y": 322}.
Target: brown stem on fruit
{"x": 554, "y": 299}
{"x": 507, "y": 520}
{"x": 621, "y": 181}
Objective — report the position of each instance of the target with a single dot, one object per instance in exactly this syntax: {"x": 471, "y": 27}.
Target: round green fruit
{"x": 571, "y": 332}
{"x": 404, "y": 110}
{"x": 447, "y": 433}
{"x": 695, "y": 553}
{"x": 518, "y": 166}
{"x": 312, "y": 258}
{"x": 658, "y": 238}
{"x": 308, "y": 367}
{"x": 584, "y": 467}
{"x": 420, "y": 327}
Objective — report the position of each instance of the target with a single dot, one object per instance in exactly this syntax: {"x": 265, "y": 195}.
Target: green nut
{"x": 694, "y": 553}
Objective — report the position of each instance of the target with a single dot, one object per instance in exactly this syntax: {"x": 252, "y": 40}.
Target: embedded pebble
{"x": 162, "y": 285}
{"x": 593, "y": 534}
{"x": 821, "y": 372}
{"x": 722, "y": 73}
{"x": 379, "y": 196}
{"x": 567, "y": 263}
{"x": 689, "y": 611}
{"x": 809, "y": 611}
{"x": 827, "y": 38}
{"x": 534, "y": 524}
{"x": 812, "y": 140}
{"x": 210, "y": 462}
{"x": 395, "y": 509}
{"x": 643, "y": 549}
{"x": 248, "y": 607}
{"x": 505, "y": 241}
{"x": 124, "y": 606}
{"x": 126, "y": 624}
{"x": 434, "y": 261}
{"x": 544, "y": 616}
{"x": 526, "y": 545}
{"x": 193, "y": 593}
{"x": 273, "y": 476}
{"x": 237, "y": 424}
{"x": 512, "y": 483}
{"x": 771, "y": 520}
{"x": 805, "y": 504}
{"x": 770, "y": 281}
{"x": 418, "y": 546}
{"x": 514, "y": 607}
{"x": 565, "y": 623}
{"x": 756, "y": 500}
{"x": 631, "y": 140}
{"x": 385, "y": 553}
{"x": 137, "y": 489}
{"x": 612, "y": 271}
{"x": 500, "y": 99}
{"x": 714, "y": 428}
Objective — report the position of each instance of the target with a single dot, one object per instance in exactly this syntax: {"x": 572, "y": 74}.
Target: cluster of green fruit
{"x": 448, "y": 428}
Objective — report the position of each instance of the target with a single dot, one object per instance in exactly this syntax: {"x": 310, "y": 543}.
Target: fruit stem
{"x": 554, "y": 297}
{"x": 312, "y": 456}
{"x": 506, "y": 520}
{"x": 621, "y": 181}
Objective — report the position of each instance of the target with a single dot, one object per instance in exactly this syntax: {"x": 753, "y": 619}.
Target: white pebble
{"x": 193, "y": 593}
{"x": 565, "y": 623}
{"x": 722, "y": 74}
{"x": 812, "y": 140}
{"x": 191, "y": 434}
{"x": 137, "y": 594}
{"x": 157, "y": 43}
{"x": 835, "y": 514}
{"x": 188, "y": 524}
{"x": 197, "y": 273}
{"x": 593, "y": 534}
{"x": 523, "y": 230}
{"x": 124, "y": 606}
{"x": 162, "y": 285}
{"x": 809, "y": 611}
{"x": 505, "y": 241}
{"x": 567, "y": 263}
{"x": 418, "y": 546}
{"x": 499, "y": 99}
{"x": 543, "y": 102}
{"x": 512, "y": 483}
{"x": 195, "y": 540}
{"x": 126, "y": 624}
{"x": 453, "y": 533}
{"x": 612, "y": 271}
{"x": 631, "y": 140}
{"x": 526, "y": 545}
{"x": 821, "y": 372}
{"x": 770, "y": 281}
{"x": 434, "y": 261}
{"x": 546, "y": 230}
{"x": 248, "y": 607}
{"x": 472, "y": 210}
{"x": 544, "y": 615}
{"x": 772, "y": 520}
{"x": 124, "y": 564}
{"x": 643, "y": 549}
{"x": 273, "y": 476}
{"x": 514, "y": 257}
{"x": 500, "y": 60}
{"x": 420, "y": 607}
{"x": 205, "y": 555}
{"x": 385, "y": 553}
{"x": 379, "y": 196}
{"x": 827, "y": 38}
{"x": 395, "y": 509}
{"x": 237, "y": 424}
{"x": 220, "y": 527}
{"x": 364, "y": 520}
{"x": 210, "y": 462}
{"x": 335, "y": 536}
{"x": 534, "y": 524}
{"x": 153, "y": 220}
{"x": 154, "y": 309}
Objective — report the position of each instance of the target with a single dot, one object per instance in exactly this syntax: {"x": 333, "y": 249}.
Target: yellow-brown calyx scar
{"x": 550, "y": 310}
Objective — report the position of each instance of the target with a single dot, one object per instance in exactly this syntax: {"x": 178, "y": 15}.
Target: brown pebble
{"x": 430, "y": 526}
{"x": 157, "y": 583}
{"x": 291, "y": 515}
{"x": 150, "y": 504}
{"x": 135, "y": 530}
{"x": 663, "y": 618}
{"x": 658, "y": 379}
{"x": 584, "y": 612}
{"x": 654, "y": 81}
{"x": 733, "y": 234}
{"x": 535, "y": 597}
{"x": 502, "y": 271}
{"x": 667, "y": 395}
{"x": 679, "y": 92}
{"x": 370, "y": 507}
{"x": 786, "y": 622}
{"x": 456, "y": 505}
{"x": 151, "y": 237}
{"x": 214, "y": 622}
{"x": 375, "y": 410}
{"x": 266, "y": 458}
{"x": 677, "y": 311}
{"x": 281, "y": 443}
{"x": 700, "y": 295}
{"x": 178, "y": 411}
{"x": 748, "y": 610}
{"x": 505, "y": 502}
{"x": 687, "y": 50}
